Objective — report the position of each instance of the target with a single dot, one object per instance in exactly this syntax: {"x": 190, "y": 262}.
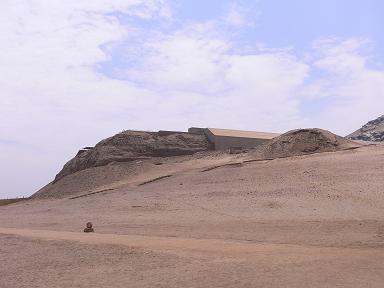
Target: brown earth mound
{"x": 301, "y": 142}
{"x": 133, "y": 145}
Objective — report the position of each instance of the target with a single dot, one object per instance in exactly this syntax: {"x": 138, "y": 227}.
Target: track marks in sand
{"x": 236, "y": 164}
{"x": 154, "y": 180}
{"x": 214, "y": 247}
{"x": 92, "y": 193}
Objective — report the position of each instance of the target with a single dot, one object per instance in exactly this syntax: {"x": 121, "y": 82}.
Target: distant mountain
{"x": 372, "y": 131}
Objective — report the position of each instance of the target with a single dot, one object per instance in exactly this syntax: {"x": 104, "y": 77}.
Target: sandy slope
{"x": 308, "y": 221}
{"x": 177, "y": 245}
{"x": 205, "y": 262}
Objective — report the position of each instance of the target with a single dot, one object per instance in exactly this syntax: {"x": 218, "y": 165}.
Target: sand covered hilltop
{"x": 131, "y": 155}
{"x": 133, "y": 145}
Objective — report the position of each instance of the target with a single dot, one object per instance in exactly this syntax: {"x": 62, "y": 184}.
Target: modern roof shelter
{"x": 225, "y": 138}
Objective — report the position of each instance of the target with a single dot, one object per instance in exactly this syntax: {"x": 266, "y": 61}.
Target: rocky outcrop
{"x": 372, "y": 131}
{"x": 302, "y": 142}
{"x": 133, "y": 145}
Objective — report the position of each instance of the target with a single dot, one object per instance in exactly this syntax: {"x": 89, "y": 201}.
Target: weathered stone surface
{"x": 133, "y": 145}
{"x": 372, "y": 131}
{"x": 301, "y": 142}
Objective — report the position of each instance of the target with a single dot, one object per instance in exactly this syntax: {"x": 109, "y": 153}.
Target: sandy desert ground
{"x": 215, "y": 221}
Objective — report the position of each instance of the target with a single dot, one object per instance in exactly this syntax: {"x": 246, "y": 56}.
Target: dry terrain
{"x": 11, "y": 200}
{"x": 204, "y": 220}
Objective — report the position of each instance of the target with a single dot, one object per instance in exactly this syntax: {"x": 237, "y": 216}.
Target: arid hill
{"x": 134, "y": 145}
{"x": 201, "y": 221}
{"x": 135, "y": 157}
{"x": 301, "y": 142}
{"x": 372, "y": 131}
{"x": 211, "y": 219}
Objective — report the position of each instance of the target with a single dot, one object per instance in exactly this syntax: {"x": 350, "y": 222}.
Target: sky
{"x": 75, "y": 72}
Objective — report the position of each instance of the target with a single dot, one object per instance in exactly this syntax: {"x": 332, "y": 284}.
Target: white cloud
{"x": 340, "y": 58}
{"x": 191, "y": 59}
{"x": 53, "y": 100}
{"x": 240, "y": 16}
{"x": 354, "y": 89}
{"x": 231, "y": 89}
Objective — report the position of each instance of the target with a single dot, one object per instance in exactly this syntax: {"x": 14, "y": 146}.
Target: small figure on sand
{"x": 89, "y": 228}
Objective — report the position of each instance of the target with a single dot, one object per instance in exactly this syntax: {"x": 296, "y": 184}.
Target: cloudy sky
{"x": 74, "y": 72}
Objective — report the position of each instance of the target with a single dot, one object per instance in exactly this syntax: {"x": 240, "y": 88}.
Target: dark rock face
{"x": 372, "y": 131}
{"x": 133, "y": 145}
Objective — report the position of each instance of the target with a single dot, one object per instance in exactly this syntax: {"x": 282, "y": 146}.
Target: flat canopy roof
{"x": 242, "y": 134}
